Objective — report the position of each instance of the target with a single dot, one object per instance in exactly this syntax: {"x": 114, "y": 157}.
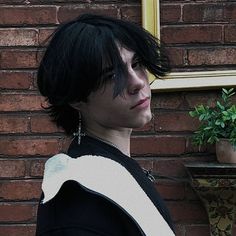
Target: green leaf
{"x": 207, "y": 128}
{"x": 225, "y": 91}
{"x": 192, "y": 113}
{"x": 201, "y": 117}
{"x": 220, "y": 105}
{"x": 216, "y": 122}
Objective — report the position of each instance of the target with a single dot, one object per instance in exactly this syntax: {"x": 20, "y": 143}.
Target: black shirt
{"x": 75, "y": 211}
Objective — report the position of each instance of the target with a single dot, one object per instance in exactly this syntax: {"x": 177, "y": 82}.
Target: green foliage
{"x": 216, "y": 122}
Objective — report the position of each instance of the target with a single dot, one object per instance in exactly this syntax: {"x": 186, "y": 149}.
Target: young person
{"x": 94, "y": 76}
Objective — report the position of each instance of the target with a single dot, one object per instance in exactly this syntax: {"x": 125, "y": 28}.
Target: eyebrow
{"x": 109, "y": 69}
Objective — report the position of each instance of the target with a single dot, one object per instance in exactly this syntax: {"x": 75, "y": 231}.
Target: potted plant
{"x": 218, "y": 126}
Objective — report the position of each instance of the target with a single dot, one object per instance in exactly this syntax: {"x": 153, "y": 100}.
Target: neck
{"x": 119, "y": 139}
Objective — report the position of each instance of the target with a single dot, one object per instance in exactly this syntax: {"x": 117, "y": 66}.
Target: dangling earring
{"x": 78, "y": 134}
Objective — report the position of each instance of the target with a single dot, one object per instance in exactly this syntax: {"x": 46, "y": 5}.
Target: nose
{"x": 136, "y": 81}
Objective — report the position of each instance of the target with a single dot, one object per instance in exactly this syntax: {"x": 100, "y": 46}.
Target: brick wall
{"x": 200, "y": 34}
{"x": 28, "y": 138}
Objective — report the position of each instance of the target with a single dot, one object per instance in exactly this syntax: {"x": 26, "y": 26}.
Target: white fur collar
{"x": 110, "y": 179}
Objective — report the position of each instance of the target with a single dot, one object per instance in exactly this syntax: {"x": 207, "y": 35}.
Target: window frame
{"x": 182, "y": 80}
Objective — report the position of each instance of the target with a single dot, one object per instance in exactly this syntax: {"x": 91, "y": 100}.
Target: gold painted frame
{"x": 182, "y": 80}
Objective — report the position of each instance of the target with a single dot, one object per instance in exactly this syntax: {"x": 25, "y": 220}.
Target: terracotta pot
{"x": 225, "y": 152}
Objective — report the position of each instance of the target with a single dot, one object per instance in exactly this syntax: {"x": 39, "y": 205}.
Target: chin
{"x": 143, "y": 121}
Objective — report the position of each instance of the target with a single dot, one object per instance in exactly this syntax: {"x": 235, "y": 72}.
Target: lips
{"x": 140, "y": 103}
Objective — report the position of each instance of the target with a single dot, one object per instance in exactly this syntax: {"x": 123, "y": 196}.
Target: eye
{"x": 137, "y": 64}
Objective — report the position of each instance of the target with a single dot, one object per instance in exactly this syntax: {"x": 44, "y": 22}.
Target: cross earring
{"x": 78, "y": 134}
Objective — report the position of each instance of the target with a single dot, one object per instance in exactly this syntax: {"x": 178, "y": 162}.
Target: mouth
{"x": 143, "y": 103}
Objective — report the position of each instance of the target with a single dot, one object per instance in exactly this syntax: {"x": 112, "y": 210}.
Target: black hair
{"x": 79, "y": 52}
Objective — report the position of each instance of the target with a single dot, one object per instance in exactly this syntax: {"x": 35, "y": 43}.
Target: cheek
{"x": 144, "y": 75}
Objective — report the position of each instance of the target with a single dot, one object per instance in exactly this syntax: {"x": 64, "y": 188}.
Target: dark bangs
{"x": 108, "y": 33}
{"x": 97, "y": 59}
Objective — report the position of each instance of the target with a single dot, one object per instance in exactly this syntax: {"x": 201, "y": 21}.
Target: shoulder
{"x": 93, "y": 172}
{"x": 79, "y": 210}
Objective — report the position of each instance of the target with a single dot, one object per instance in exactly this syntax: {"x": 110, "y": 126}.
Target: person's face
{"x": 131, "y": 110}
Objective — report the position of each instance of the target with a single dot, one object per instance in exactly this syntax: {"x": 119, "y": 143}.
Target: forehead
{"x": 126, "y": 55}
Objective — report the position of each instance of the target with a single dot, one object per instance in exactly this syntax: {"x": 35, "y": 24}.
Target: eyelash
{"x": 137, "y": 63}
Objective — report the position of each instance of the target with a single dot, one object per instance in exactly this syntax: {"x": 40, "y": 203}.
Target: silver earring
{"x": 78, "y": 134}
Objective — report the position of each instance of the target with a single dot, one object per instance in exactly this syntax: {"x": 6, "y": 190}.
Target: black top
{"x": 75, "y": 211}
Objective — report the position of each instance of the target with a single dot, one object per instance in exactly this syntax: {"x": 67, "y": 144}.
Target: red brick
{"x": 19, "y": 58}
{"x": 21, "y": 147}
{"x": 179, "y": 230}
{"x": 68, "y": 12}
{"x": 16, "y": 80}
{"x": 192, "y": 34}
{"x": 201, "y": 97}
{"x": 171, "y": 190}
{"x": 43, "y": 124}
{"x": 145, "y": 163}
{"x": 18, "y": 37}
{"x": 167, "y": 101}
{"x": 17, "y": 212}
{"x": 188, "y": 212}
{"x": 175, "y": 121}
{"x": 176, "y": 56}
{"x": 166, "y": 167}
{"x": 117, "y": 1}
{"x": 18, "y": 15}
{"x": 196, "y": 230}
{"x": 212, "y": 56}
{"x": 156, "y": 145}
{"x": 230, "y": 12}
{"x": 230, "y": 33}
{"x": 13, "y": 1}
{"x": 170, "y": 13}
{"x": 65, "y": 142}
{"x": 12, "y": 168}
{"x": 44, "y": 35}
{"x": 131, "y": 13}
{"x": 13, "y": 124}
{"x": 12, "y": 190}
{"x": 190, "y": 194}
{"x": 148, "y": 127}
{"x": 37, "y": 167}
{"x": 17, "y": 230}
{"x": 64, "y": 2}
{"x": 19, "y": 102}
{"x": 203, "y": 12}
